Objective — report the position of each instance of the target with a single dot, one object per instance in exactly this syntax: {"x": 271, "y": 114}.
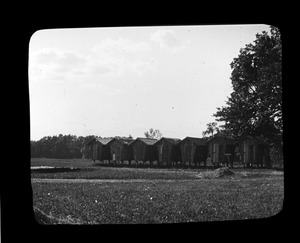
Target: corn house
{"x": 221, "y": 150}
{"x": 143, "y": 149}
{"x": 168, "y": 150}
{"x": 100, "y": 149}
{"x": 193, "y": 151}
{"x": 120, "y": 150}
{"x": 253, "y": 151}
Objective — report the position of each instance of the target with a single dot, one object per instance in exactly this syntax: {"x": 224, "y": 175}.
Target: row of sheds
{"x": 189, "y": 151}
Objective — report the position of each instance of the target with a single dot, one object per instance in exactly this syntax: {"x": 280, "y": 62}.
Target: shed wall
{"x": 105, "y": 153}
{"x": 96, "y": 150}
{"x": 150, "y": 153}
{"x": 176, "y": 153}
{"x": 164, "y": 150}
{"x": 253, "y": 152}
{"x": 201, "y": 153}
{"x": 218, "y": 148}
{"x": 138, "y": 150}
{"x": 119, "y": 151}
{"x": 187, "y": 151}
{"x": 115, "y": 149}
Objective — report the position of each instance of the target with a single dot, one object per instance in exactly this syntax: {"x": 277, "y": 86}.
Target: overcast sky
{"x": 125, "y": 80}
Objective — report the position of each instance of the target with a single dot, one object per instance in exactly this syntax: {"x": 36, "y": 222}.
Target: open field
{"x": 149, "y": 195}
{"x": 61, "y": 162}
{"x": 86, "y": 169}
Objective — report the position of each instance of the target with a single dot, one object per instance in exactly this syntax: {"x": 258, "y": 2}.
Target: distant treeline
{"x": 61, "y": 147}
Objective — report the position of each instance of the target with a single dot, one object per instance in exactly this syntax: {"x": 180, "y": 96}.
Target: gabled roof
{"x": 147, "y": 141}
{"x": 123, "y": 140}
{"x": 103, "y": 141}
{"x": 170, "y": 140}
{"x": 197, "y": 141}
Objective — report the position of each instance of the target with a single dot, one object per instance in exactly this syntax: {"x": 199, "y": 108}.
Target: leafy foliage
{"x": 156, "y": 134}
{"x": 61, "y": 146}
{"x": 255, "y": 105}
{"x": 211, "y": 128}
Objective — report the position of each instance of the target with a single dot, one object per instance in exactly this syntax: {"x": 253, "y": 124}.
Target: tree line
{"x": 61, "y": 146}
{"x": 71, "y": 146}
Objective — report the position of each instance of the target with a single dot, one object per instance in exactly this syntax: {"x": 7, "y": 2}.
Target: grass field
{"x": 62, "y": 162}
{"x": 149, "y": 195}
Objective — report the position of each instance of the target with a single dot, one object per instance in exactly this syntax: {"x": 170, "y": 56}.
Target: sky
{"x": 121, "y": 81}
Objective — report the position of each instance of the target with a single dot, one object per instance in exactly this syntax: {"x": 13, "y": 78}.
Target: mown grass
{"x": 81, "y": 163}
{"x": 116, "y": 173}
{"x": 159, "y": 201}
{"x": 165, "y": 196}
{"x": 85, "y": 169}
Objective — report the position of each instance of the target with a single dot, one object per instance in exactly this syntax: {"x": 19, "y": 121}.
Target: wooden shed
{"x": 221, "y": 150}
{"x": 100, "y": 149}
{"x": 193, "y": 151}
{"x": 254, "y": 151}
{"x": 168, "y": 150}
{"x": 120, "y": 150}
{"x": 144, "y": 150}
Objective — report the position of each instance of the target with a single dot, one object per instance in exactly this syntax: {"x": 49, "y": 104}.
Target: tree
{"x": 156, "y": 134}
{"x": 61, "y": 146}
{"x": 211, "y": 128}
{"x": 255, "y": 105}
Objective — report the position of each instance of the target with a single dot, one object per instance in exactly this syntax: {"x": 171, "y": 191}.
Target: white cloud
{"x": 167, "y": 39}
{"x": 121, "y": 56}
{"x": 120, "y": 46}
{"x": 53, "y": 65}
{"x": 109, "y": 57}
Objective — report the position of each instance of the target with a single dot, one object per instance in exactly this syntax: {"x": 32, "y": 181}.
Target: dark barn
{"x": 193, "y": 151}
{"x": 221, "y": 150}
{"x": 100, "y": 149}
{"x": 168, "y": 150}
{"x": 144, "y": 150}
{"x": 254, "y": 151}
{"x": 120, "y": 150}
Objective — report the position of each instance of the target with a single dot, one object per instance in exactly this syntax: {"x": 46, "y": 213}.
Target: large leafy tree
{"x": 255, "y": 105}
